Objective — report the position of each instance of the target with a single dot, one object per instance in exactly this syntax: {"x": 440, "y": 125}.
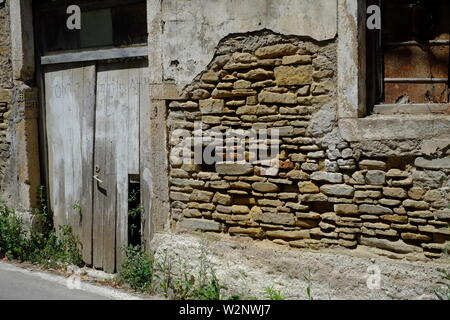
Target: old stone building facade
{"x": 327, "y": 191}
{"x": 344, "y": 174}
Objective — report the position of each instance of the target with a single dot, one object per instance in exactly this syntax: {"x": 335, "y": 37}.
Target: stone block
{"x": 293, "y": 76}
{"x": 221, "y": 198}
{"x": 239, "y": 209}
{"x": 265, "y": 187}
{"x": 433, "y": 196}
{"x": 394, "y": 218}
{"x": 258, "y": 75}
{"x": 442, "y": 214}
{"x": 234, "y": 169}
{"x": 372, "y": 165}
{"x": 346, "y": 209}
{"x": 414, "y": 204}
{"x": 375, "y": 177}
{"x": 289, "y": 235}
{"x": 296, "y": 59}
{"x": 395, "y": 192}
{"x": 252, "y": 232}
{"x": 337, "y": 190}
{"x": 416, "y": 193}
{"x": 201, "y": 196}
{"x": 368, "y": 194}
{"x": 297, "y": 175}
{"x": 280, "y": 218}
{"x": 210, "y": 77}
{"x": 397, "y": 246}
{"x": 308, "y": 187}
{"x": 200, "y": 94}
{"x": 376, "y": 225}
{"x": 198, "y": 225}
{"x": 209, "y": 106}
{"x": 314, "y": 197}
{"x": 310, "y": 166}
{"x": 415, "y": 236}
{"x": 270, "y": 202}
{"x": 281, "y": 98}
{"x": 179, "y": 196}
{"x": 256, "y": 110}
{"x": 327, "y": 177}
{"x": 434, "y": 164}
{"x": 191, "y": 213}
{"x": 275, "y": 51}
{"x": 374, "y": 209}
{"x": 420, "y": 214}
{"x": 242, "y": 84}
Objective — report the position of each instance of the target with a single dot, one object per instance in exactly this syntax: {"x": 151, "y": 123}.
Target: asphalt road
{"x": 22, "y": 284}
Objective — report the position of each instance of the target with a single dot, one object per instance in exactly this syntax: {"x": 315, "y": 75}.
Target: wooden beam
{"x": 91, "y": 55}
{"x": 62, "y": 5}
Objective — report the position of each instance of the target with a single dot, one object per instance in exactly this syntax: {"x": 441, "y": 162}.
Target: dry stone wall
{"x": 326, "y": 192}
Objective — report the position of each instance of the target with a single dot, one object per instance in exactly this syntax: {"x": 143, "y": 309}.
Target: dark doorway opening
{"x": 134, "y": 211}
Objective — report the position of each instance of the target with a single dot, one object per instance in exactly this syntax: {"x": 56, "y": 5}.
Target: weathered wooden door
{"x": 92, "y": 124}
{"x": 69, "y": 111}
{"x": 116, "y": 157}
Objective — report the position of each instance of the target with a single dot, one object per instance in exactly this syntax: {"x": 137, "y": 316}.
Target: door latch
{"x": 97, "y": 179}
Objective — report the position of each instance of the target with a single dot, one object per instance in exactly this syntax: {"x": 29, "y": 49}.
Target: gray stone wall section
{"x": 154, "y": 161}
{"x": 19, "y": 150}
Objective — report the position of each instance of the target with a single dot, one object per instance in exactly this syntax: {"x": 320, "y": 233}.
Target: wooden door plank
{"x": 52, "y": 98}
{"x": 87, "y": 154}
{"x": 65, "y": 130}
{"x": 133, "y": 119}
{"x": 123, "y": 158}
{"x": 61, "y": 105}
{"x": 109, "y": 220}
{"x": 73, "y": 166}
{"x": 99, "y": 159}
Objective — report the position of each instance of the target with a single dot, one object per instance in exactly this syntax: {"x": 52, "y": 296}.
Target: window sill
{"x": 412, "y": 109}
{"x": 394, "y": 127}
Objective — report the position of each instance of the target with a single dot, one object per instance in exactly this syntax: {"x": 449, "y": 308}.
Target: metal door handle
{"x": 96, "y": 178}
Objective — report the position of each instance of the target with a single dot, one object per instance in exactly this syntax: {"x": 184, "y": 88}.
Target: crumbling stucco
{"x": 191, "y": 29}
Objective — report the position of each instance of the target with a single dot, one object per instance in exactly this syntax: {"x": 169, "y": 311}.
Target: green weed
{"x": 444, "y": 293}
{"x": 43, "y": 244}
{"x": 137, "y": 269}
{"x": 187, "y": 283}
{"x": 273, "y": 294}
{"x": 308, "y": 280}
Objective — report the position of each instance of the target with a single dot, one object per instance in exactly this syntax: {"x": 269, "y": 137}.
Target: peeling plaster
{"x": 193, "y": 28}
